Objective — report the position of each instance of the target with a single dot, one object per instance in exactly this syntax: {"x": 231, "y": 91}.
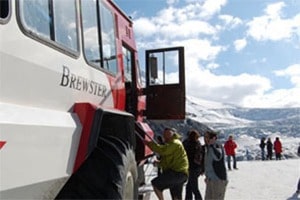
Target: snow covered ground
{"x": 254, "y": 180}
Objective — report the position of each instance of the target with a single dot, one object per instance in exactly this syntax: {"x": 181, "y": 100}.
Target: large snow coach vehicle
{"x": 72, "y": 101}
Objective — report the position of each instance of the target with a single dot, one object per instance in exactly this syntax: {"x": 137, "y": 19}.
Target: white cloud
{"x": 272, "y": 26}
{"x": 144, "y": 27}
{"x": 240, "y": 44}
{"x": 245, "y": 89}
{"x": 211, "y": 7}
{"x": 171, "y": 23}
{"x": 188, "y": 29}
{"x": 292, "y": 72}
{"x": 230, "y": 21}
{"x": 277, "y": 98}
{"x": 201, "y": 50}
{"x": 225, "y": 88}
{"x": 274, "y": 9}
{"x": 212, "y": 66}
{"x": 166, "y": 16}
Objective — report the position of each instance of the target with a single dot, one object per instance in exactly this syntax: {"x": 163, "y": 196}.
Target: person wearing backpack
{"x": 195, "y": 152}
{"x": 215, "y": 170}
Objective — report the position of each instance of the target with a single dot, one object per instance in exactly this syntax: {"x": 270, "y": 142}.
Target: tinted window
{"x": 65, "y": 23}
{"x": 49, "y": 19}
{"x": 99, "y": 35}
{"x": 36, "y": 16}
{"x": 127, "y": 63}
{"x": 4, "y": 9}
{"x": 91, "y": 32}
{"x": 108, "y": 39}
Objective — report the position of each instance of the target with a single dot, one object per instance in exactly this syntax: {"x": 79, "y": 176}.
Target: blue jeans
{"x": 229, "y": 160}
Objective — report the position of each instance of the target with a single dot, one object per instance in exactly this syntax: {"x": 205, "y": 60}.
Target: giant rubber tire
{"x": 110, "y": 172}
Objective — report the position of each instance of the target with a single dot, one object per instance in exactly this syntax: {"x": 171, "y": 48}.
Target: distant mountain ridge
{"x": 248, "y": 125}
{"x": 229, "y": 118}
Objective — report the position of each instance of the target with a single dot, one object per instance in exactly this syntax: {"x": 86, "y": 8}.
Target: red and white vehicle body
{"x": 72, "y": 102}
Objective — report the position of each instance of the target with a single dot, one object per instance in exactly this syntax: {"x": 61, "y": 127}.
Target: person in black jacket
{"x": 262, "y": 146}
{"x": 269, "y": 149}
{"x": 298, "y": 187}
{"x": 195, "y": 152}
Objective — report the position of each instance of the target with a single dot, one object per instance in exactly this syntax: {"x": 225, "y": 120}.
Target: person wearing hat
{"x": 173, "y": 162}
{"x": 215, "y": 170}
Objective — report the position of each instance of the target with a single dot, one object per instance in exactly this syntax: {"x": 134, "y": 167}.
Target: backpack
{"x": 219, "y": 166}
{"x": 199, "y": 155}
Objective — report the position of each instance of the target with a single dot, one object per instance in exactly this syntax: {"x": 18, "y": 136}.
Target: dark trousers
{"x": 269, "y": 155}
{"x": 192, "y": 185}
{"x": 229, "y": 160}
{"x": 278, "y": 156}
{"x": 263, "y": 154}
{"x": 172, "y": 180}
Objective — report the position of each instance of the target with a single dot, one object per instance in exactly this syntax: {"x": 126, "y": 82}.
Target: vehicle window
{"x": 99, "y": 41}
{"x": 52, "y": 20}
{"x": 36, "y": 17}
{"x": 139, "y": 72}
{"x": 65, "y": 23}
{"x": 167, "y": 68}
{"x": 108, "y": 39}
{"x": 90, "y": 32}
{"x": 127, "y": 63}
{"x": 4, "y": 9}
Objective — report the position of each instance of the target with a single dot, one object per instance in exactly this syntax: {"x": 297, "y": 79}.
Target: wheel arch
{"x": 99, "y": 122}
{"x": 105, "y": 161}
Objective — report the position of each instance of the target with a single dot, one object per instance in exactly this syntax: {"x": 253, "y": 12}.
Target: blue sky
{"x": 245, "y": 52}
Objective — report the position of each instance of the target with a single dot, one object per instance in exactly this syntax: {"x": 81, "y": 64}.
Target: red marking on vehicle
{"x": 2, "y": 143}
{"x": 85, "y": 112}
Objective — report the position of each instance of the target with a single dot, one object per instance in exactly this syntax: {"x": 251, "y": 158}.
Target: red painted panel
{"x": 2, "y": 143}
{"x": 150, "y": 134}
{"x": 85, "y": 112}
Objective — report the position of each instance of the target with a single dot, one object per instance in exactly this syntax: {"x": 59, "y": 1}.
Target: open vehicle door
{"x": 165, "y": 83}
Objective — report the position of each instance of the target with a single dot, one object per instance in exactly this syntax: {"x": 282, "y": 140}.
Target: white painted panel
{"x": 41, "y": 145}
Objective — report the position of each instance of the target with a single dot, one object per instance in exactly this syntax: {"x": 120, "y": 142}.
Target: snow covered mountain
{"x": 248, "y": 125}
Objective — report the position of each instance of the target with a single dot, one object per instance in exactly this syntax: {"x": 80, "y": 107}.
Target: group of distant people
{"x": 185, "y": 161}
{"x": 277, "y": 146}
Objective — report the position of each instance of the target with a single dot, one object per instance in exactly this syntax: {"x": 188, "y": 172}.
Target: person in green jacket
{"x": 173, "y": 162}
